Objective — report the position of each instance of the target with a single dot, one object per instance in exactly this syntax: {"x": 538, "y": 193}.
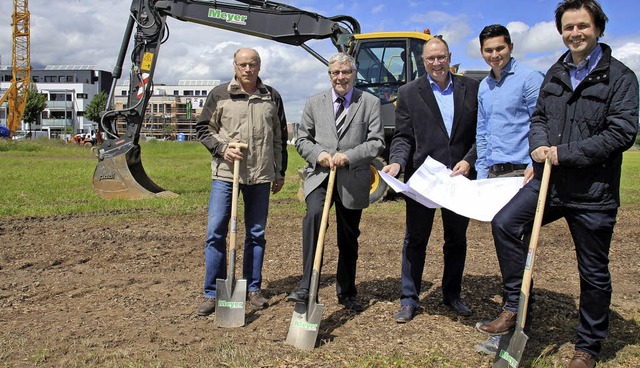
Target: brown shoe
{"x": 499, "y": 326}
{"x": 257, "y": 300}
{"x": 207, "y": 307}
{"x": 582, "y": 359}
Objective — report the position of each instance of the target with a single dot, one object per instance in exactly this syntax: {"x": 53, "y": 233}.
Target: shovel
{"x": 230, "y": 308}
{"x": 303, "y": 330}
{"x": 512, "y": 344}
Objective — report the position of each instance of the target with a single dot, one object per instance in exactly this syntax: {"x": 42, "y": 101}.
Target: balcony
{"x": 57, "y": 123}
{"x": 60, "y": 105}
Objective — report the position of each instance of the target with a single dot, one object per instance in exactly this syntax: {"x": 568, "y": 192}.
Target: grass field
{"x": 47, "y": 177}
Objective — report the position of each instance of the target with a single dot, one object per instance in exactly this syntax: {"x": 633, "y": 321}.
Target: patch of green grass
{"x": 49, "y": 177}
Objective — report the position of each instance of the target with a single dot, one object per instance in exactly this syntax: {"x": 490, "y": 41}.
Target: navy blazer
{"x": 420, "y": 130}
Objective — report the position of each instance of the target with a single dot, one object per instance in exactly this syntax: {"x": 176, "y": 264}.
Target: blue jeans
{"x": 256, "y": 208}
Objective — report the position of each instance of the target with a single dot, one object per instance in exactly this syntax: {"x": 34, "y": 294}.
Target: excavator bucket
{"x": 122, "y": 176}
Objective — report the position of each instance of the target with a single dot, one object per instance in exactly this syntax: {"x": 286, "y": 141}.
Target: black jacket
{"x": 591, "y": 126}
{"x": 420, "y": 130}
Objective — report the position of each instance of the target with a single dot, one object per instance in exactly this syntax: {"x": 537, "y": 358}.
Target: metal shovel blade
{"x": 230, "y": 306}
{"x": 305, "y": 322}
{"x": 510, "y": 349}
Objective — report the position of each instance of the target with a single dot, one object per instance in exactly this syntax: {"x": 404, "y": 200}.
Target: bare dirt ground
{"x": 122, "y": 289}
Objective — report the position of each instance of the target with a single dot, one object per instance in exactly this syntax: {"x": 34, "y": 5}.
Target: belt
{"x": 506, "y": 168}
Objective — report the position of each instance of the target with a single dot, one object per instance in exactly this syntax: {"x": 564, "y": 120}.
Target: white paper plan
{"x": 432, "y": 187}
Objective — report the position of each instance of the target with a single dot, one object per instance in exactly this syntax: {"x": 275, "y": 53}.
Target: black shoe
{"x": 405, "y": 314}
{"x": 458, "y": 306}
{"x": 351, "y": 303}
{"x": 298, "y": 296}
{"x": 207, "y": 307}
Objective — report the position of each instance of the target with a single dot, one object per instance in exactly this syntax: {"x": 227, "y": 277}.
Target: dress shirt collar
{"x": 435, "y": 86}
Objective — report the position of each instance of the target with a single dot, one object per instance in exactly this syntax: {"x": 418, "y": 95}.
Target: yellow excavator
{"x": 386, "y": 61}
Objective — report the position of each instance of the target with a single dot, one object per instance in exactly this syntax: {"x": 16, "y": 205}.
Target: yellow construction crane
{"x": 16, "y": 95}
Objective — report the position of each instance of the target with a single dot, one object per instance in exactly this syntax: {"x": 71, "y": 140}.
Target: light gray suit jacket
{"x": 361, "y": 141}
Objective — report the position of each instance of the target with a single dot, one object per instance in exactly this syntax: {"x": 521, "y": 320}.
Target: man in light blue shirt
{"x": 506, "y": 100}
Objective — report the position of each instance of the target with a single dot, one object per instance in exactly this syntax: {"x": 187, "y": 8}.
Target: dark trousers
{"x": 591, "y": 232}
{"x": 348, "y": 228}
{"x": 419, "y": 221}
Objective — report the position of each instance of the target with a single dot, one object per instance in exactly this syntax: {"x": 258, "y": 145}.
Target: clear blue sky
{"x": 90, "y": 32}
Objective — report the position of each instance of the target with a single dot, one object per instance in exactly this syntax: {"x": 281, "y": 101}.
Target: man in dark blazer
{"x": 435, "y": 116}
{"x": 348, "y": 137}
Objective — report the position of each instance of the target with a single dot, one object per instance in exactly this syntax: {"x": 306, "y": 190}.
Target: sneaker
{"x": 207, "y": 307}
{"x": 257, "y": 300}
{"x": 405, "y": 314}
{"x": 489, "y": 346}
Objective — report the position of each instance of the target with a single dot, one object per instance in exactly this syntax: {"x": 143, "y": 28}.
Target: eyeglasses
{"x": 335, "y": 73}
{"x": 440, "y": 58}
{"x": 244, "y": 65}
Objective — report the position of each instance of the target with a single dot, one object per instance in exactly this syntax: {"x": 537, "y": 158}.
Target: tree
{"x": 97, "y": 105}
{"x": 36, "y": 103}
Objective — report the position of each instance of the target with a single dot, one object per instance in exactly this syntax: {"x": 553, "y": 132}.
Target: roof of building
{"x": 70, "y": 67}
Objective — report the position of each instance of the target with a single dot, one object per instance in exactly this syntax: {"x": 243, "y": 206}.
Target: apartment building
{"x": 172, "y": 110}
{"x": 68, "y": 90}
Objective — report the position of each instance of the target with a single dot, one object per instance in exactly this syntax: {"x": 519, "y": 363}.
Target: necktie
{"x": 340, "y": 115}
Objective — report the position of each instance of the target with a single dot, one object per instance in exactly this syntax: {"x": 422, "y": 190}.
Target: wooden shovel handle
{"x": 533, "y": 245}
{"x": 234, "y": 205}
{"x": 317, "y": 259}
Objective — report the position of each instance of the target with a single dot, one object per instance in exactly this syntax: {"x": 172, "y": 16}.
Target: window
{"x": 49, "y": 79}
{"x": 197, "y": 93}
{"x": 79, "y": 113}
{"x": 62, "y": 79}
{"x": 176, "y": 92}
{"x": 35, "y": 79}
{"x": 188, "y": 93}
{"x": 124, "y": 92}
{"x": 70, "y": 78}
{"x": 82, "y": 95}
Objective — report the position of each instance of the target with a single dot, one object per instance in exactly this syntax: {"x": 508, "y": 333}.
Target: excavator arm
{"x": 119, "y": 173}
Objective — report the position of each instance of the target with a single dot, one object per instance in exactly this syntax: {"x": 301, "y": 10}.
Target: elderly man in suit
{"x": 340, "y": 127}
{"x": 436, "y": 116}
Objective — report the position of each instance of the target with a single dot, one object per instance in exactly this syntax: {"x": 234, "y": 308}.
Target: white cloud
{"x": 377, "y": 9}
{"x": 629, "y": 54}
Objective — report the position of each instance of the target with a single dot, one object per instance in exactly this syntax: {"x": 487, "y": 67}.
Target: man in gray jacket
{"x": 340, "y": 127}
{"x": 247, "y": 111}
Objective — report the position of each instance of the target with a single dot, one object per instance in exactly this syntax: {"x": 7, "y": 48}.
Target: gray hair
{"x": 243, "y": 48}
{"x": 341, "y": 57}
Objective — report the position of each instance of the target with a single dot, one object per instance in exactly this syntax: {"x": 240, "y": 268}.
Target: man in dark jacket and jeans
{"x": 585, "y": 118}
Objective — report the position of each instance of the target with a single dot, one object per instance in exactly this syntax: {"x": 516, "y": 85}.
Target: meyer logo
{"x": 226, "y": 304}
{"x": 306, "y": 325}
{"x": 508, "y": 358}
{"x": 228, "y": 17}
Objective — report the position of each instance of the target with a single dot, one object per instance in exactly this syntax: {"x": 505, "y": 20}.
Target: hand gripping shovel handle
{"x": 317, "y": 258}
{"x": 512, "y": 345}
{"x": 234, "y": 212}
